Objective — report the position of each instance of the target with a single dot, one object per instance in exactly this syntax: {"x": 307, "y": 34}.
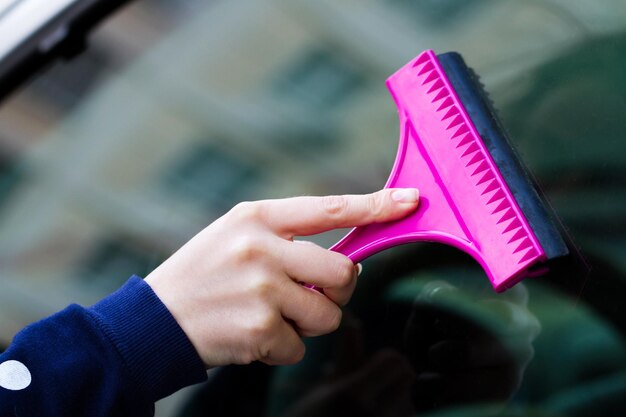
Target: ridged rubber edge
{"x": 500, "y": 204}
{"x": 516, "y": 175}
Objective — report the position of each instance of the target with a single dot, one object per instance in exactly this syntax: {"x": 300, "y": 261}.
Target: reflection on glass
{"x": 426, "y": 341}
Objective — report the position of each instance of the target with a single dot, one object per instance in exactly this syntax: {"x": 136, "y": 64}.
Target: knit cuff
{"x": 155, "y": 349}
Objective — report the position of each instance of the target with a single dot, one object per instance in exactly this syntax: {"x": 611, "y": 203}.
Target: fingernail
{"x": 359, "y": 269}
{"x": 405, "y": 195}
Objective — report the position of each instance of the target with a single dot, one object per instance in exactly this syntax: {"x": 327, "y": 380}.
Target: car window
{"x": 180, "y": 109}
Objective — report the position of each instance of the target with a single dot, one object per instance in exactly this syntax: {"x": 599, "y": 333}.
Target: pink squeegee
{"x": 454, "y": 150}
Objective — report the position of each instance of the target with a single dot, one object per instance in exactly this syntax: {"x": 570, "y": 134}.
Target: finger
{"x": 304, "y": 216}
{"x": 312, "y": 264}
{"x": 285, "y": 348}
{"x": 312, "y": 313}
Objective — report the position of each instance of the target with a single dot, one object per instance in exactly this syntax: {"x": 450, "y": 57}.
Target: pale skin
{"x": 236, "y": 287}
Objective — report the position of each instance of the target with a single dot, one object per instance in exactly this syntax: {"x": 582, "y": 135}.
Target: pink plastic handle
{"x": 464, "y": 201}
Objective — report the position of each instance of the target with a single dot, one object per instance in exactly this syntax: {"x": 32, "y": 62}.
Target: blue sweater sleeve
{"x": 115, "y": 358}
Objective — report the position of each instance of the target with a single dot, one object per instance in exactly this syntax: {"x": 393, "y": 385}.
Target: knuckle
{"x": 264, "y": 353}
{"x": 375, "y": 206}
{"x": 261, "y": 336}
{"x": 262, "y": 287}
{"x": 247, "y": 355}
{"x": 334, "y": 205}
{"x": 247, "y": 359}
{"x": 247, "y": 211}
{"x": 333, "y": 320}
{"x": 345, "y": 273}
{"x": 297, "y": 354}
{"x": 247, "y": 248}
{"x": 261, "y": 326}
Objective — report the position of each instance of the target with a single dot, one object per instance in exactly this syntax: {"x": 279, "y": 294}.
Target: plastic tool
{"x": 474, "y": 192}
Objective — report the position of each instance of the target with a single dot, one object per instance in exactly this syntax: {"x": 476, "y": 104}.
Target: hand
{"x": 235, "y": 287}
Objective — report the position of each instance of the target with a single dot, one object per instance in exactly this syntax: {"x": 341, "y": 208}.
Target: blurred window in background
{"x": 320, "y": 79}
{"x": 102, "y": 268}
{"x": 210, "y": 177}
{"x": 437, "y": 13}
{"x": 9, "y": 177}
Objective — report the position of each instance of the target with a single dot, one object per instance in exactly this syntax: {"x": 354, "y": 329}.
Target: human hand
{"x": 235, "y": 287}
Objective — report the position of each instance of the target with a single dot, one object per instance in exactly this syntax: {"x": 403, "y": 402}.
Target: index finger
{"x": 304, "y": 216}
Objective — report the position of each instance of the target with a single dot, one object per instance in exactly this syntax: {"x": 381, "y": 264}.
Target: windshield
{"x": 180, "y": 109}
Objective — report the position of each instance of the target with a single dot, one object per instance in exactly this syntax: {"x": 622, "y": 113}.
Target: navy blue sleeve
{"x": 115, "y": 358}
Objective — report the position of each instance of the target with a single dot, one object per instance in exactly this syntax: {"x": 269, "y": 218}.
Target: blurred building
{"x": 180, "y": 109}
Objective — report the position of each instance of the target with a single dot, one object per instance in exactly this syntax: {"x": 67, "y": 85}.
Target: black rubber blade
{"x": 477, "y": 104}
